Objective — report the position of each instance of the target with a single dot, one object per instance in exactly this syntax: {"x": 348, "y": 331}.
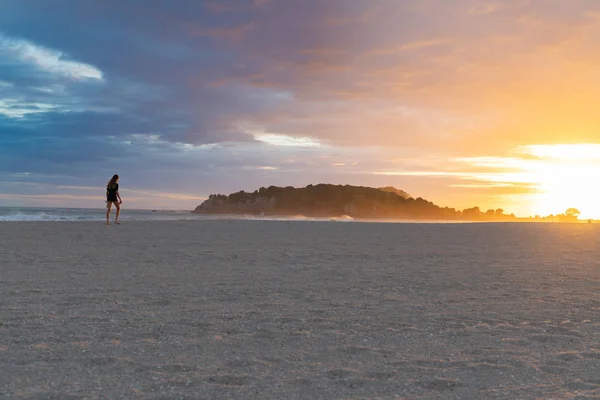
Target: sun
{"x": 554, "y": 178}
{"x": 566, "y": 176}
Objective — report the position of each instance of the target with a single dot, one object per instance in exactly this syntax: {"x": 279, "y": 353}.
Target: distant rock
{"x": 325, "y": 200}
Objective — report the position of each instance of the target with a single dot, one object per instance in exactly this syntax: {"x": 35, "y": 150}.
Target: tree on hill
{"x": 392, "y": 189}
{"x": 573, "y": 213}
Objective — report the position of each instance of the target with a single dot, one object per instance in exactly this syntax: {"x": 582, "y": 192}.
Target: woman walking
{"x": 113, "y": 197}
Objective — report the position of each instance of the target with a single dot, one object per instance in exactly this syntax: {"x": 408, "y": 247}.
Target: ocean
{"x": 99, "y": 214}
{"x": 89, "y": 214}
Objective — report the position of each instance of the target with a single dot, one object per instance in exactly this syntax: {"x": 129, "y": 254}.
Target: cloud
{"x": 236, "y": 33}
{"x": 480, "y": 71}
{"x": 15, "y": 108}
{"x": 47, "y": 60}
{"x": 289, "y": 141}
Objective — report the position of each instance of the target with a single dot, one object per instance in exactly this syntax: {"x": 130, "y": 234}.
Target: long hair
{"x": 113, "y": 181}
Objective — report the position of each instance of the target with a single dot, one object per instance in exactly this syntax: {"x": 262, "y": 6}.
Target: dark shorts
{"x": 111, "y": 199}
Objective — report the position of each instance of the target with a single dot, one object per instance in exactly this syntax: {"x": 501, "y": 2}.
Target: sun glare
{"x": 566, "y": 176}
{"x": 561, "y": 177}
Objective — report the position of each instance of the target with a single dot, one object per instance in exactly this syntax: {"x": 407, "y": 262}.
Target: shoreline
{"x": 98, "y": 214}
{"x": 298, "y": 218}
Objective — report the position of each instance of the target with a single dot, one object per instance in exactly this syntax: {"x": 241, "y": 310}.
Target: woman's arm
{"x": 119, "y": 197}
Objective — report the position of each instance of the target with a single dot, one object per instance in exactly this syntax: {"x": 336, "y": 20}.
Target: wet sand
{"x": 299, "y": 310}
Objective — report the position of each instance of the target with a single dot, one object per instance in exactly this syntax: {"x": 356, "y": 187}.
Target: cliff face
{"x": 325, "y": 201}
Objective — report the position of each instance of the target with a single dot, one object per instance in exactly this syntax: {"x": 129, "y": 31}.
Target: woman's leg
{"x": 118, "y": 212}
{"x": 108, "y": 206}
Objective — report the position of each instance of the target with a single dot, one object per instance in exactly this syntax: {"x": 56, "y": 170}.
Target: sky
{"x": 463, "y": 102}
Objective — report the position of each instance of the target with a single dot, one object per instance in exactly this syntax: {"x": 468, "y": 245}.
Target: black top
{"x": 111, "y": 192}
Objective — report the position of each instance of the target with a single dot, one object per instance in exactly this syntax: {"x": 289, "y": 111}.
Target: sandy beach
{"x": 299, "y": 310}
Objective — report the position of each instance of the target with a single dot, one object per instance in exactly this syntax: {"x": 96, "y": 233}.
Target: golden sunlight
{"x": 562, "y": 176}
{"x": 567, "y": 176}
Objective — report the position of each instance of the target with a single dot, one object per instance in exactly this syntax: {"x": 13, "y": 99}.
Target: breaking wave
{"x": 45, "y": 216}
